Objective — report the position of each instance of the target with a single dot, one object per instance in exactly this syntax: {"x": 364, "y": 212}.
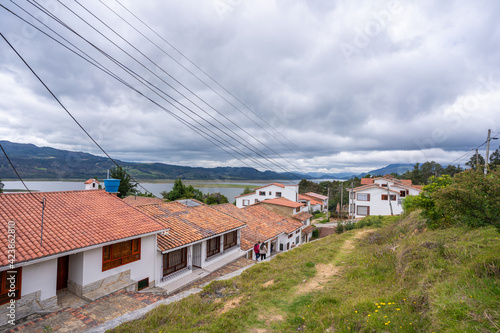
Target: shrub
{"x": 340, "y": 228}
{"x": 315, "y": 233}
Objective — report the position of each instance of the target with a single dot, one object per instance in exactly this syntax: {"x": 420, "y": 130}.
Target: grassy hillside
{"x": 399, "y": 277}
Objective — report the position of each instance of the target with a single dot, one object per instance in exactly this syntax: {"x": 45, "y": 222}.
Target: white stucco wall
{"x": 289, "y": 192}
{"x": 379, "y": 206}
{"x": 41, "y": 276}
{"x": 75, "y": 272}
{"x": 141, "y": 269}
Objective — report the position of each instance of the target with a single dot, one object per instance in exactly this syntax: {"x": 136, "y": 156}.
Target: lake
{"x": 155, "y": 188}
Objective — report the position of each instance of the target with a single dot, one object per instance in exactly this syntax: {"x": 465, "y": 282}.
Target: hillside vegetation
{"x": 393, "y": 275}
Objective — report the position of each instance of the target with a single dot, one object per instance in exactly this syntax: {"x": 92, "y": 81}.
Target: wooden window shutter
{"x": 368, "y": 197}
{"x": 368, "y": 210}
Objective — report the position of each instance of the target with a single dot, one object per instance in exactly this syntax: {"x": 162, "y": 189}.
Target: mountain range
{"x": 34, "y": 162}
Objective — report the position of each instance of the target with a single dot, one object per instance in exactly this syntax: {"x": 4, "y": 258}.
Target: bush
{"x": 372, "y": 220}
{"x": 315, "y": 233}
{"x": 340, "y": 228}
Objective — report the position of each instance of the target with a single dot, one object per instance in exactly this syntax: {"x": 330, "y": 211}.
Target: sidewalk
{"x": 111, "y": 310}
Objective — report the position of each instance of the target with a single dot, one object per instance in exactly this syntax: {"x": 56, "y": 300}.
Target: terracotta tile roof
{"x": 308, "y": 229}
{"x": 91, "y": 180}
{"x": 275, "y": 184}
{"x": 314, "y": 201}
{"x": 262, "y": 223}
{"x": 302, "y": 216}
{"x": 72, "y": 220}
{"x": 316, "y": 195}
{"x": 283, "y": 202}
{"x": 138, "y": 201}
{"x": 366, "y": 181}
{"x": 189, "y": 224}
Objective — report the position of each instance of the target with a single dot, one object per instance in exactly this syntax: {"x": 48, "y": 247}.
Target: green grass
{"x": 400, "y": 277}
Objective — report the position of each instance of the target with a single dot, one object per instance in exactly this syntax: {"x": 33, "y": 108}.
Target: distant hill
{"x": 391, "y": 168}
{"x": 34, "y": 162}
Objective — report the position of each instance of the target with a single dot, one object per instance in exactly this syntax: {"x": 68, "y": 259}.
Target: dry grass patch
{"x": 349, "y": 244}
{"x": 268, "y": 283}
{"x": 323, "y": 275}
{"x": 231, "y": 304}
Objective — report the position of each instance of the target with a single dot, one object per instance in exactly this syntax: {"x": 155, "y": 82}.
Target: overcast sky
{"x": 326, "y": 86}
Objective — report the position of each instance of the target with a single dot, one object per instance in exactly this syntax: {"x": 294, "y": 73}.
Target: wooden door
{"x": 62, "y": 272}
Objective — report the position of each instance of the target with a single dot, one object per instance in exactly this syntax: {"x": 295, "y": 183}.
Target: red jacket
{"x": 256, "y": 248}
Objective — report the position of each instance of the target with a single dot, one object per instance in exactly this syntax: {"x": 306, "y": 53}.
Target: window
{"x": 278, "y": 194}
{"x": 230, "y": 240}
{"x": 174, "y": 261}
{"x": 290, "y": 236}
{"x": 11, "y": 285}
{"x": 383, "y": 185}
{"x": 297, "y": 209}
{"x": 262, "y": 192}
{"x": 256, "y": 200}
{"x": 363, "y": 210}
{"x": 393, "y": 197}
{"x": 363, "y": 196}
{"x": 213, "y": 246}
{"x": 402, "y": 193}
{"x": 121, "y": 253}
{"x": 270, "y": 193}
{"x": 246, "y": 202}
{"x": 297, "y": 240}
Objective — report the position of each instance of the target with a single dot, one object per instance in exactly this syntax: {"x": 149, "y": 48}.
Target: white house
{"x": 381, "y": 196}
{"x": 279, "y": 232}
{"x": 91, "y": 184}
{"x": 90, "y": 239}
{"x": 200, "y": 239}
{"x": 270, "y": 191}
{"x": 317, "y": 201}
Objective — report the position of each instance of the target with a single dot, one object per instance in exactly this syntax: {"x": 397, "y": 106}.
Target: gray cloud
{"x": 355, "y": 85}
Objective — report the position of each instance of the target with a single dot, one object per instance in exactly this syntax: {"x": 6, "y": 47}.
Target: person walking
{"x": 256, "y": 250}
{"x": 263, "y": 251}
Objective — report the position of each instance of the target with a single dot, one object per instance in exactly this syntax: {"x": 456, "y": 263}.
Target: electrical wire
{"x": 60, "y": 21}
{"x": 65, "y": 109}
{"x": 98, "y": 65}
{"x": 215, "y": 81}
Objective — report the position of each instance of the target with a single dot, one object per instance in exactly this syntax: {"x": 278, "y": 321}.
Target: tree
{"x": 127, "y": 186}
{"x": 495, "y": 158}
{"x": 435, "y": 216}
{"x": 180, "y": 191}
{"x": 472, "y": 199}
{"x": 215, "y": 199}
{"x": 473, "y": 162}
{"x": 247, "y": 190}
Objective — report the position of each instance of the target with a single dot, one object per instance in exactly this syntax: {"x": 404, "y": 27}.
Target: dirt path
{"x": 326, "y": 271}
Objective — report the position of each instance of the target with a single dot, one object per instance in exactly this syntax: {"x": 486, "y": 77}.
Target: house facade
{"x": 198, "y": 237}
{"x": 380, "y": 196}
{"x": 316, "y": 202}
{"x": 90, "y": 239}
{"x": 270, "y": 191}
{"x": 279, "y": 232}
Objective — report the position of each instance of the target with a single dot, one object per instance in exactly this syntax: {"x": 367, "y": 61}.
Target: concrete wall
{"x": 40, "y": 277}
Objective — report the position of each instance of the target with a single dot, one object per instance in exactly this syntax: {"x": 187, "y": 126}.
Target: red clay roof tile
{"x": 72, "y": 220}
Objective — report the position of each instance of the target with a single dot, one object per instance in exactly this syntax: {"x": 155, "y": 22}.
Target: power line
{"x": 65, "y": 109}
{"x": 98, "y": 65}
{"x": 135, "y": 75}
{"x": 217, "y": 83}
{"x": 248, "y": 145}
{"x": 13, "y": 167}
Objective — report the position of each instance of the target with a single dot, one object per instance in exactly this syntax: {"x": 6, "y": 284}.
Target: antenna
{"x": 41, "y": 230}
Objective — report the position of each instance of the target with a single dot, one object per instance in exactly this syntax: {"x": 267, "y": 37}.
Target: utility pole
{"x": 389, "y": 198}
{"x": 487, "y": 158}
{"x": 477, "y": 160}
{"x": 341, "y": 197}
{"x": 352, "y": 206}
{"x": 328, "y": 204}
